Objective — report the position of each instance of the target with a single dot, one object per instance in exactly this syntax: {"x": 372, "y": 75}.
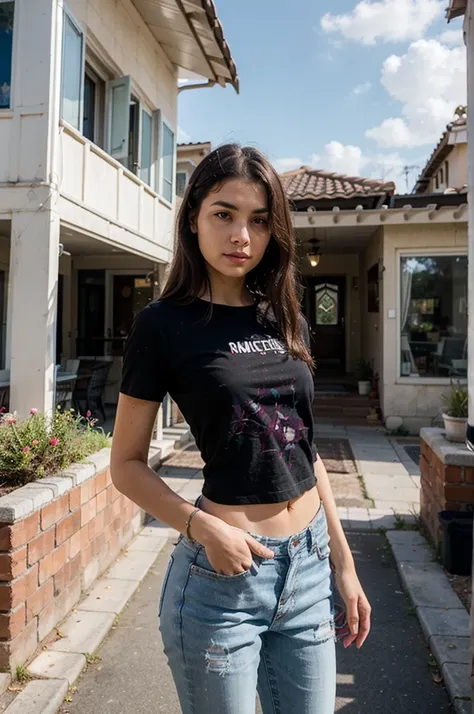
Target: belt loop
{"x": 309, "y": 539}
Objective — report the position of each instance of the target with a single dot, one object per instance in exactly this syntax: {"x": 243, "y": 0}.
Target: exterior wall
{"x": 52, "y": 553}
{"x": 416, "y": 400}
{"x": 348, "y": 266}
{"x": 371, "y": 322}
{"x": 456, "y": 163}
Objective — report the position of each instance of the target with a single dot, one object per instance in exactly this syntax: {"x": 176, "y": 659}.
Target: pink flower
{"x": 11, "y": 420}
{"x": 3, "y": 410}
{"x": 33, "y": 411}
{"x": 54, "y": 442}
{"x": 88, "y": 413}
{"x": 35, "y": 442}
{"x": 26, "y": 449}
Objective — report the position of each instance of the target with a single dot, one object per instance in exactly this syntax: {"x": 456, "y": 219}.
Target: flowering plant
{"x": 38, "y": 446}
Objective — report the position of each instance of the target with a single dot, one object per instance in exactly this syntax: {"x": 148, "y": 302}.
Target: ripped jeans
{"x": 269, "y": 629}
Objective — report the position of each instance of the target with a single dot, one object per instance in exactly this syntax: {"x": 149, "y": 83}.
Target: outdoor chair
{"x": 454, "y": 348}
{"x": 90, "y": 389}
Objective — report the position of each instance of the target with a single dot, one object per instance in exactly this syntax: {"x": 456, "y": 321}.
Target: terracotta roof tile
{"x": 308, "y": 183}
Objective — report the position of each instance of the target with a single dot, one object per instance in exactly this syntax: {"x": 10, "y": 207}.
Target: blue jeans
{"x": 269, "y": 629}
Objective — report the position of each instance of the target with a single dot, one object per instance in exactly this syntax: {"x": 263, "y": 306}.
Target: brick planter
{"x": 57, "y": 536}
{"x": 447, "y": 478}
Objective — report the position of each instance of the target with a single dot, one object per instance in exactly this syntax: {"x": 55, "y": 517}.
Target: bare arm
{"x": 341, "y": 555}
{"x": 357, "y": 606}
{"x": 228, "y": 549}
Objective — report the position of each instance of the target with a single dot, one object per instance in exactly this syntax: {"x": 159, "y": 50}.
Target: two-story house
{"x": 88, "y": 120}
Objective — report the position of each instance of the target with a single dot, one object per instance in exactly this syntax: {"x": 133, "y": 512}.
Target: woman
{"x": 247, "y": 601}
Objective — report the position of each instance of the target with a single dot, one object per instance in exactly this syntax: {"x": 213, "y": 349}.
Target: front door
{"x": 325, "y": 310}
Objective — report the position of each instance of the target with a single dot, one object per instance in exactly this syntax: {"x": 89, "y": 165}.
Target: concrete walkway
{"x": 389, "y": 675}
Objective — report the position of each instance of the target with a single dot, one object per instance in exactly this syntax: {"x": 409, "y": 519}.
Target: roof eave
{"x": 456, "y": 8}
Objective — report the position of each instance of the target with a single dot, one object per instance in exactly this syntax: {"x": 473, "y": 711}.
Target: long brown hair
{"x": 273, "y": 280}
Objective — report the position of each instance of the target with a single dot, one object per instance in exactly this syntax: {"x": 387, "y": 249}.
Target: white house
{"x": 88, "y": 119}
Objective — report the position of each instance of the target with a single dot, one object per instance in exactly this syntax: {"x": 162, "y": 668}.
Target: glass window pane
{"x": 167, "y": 155}
{"x": 180, "y": 183}
{"x": 433, "y": 316}
{"x": 88, "y": 122}
{"x": 145, "y": 161}
{"x": 6, "y": 48}
{"x": 327, "y": 304}
{"x": 72, "y": 73}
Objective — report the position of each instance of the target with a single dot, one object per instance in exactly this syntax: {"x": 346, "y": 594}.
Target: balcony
{"x": 101, "y": 197}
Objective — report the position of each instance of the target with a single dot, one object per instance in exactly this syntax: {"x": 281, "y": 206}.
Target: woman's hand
{"x": 228, "y": 549}
{"x": 357, "y": 606}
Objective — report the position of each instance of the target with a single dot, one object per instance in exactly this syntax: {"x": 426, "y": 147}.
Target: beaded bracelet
{"x": 188, "y": 524}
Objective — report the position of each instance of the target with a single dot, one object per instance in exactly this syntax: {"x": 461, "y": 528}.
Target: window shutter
{"x": 119, "y": 93}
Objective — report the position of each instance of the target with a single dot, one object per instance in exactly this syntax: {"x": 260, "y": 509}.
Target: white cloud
{"x": 362, "y": 88}
{"x": 183, "y": 137}
{"x": 350, "y": 160}
{"x": 289, "y": 164}
{"x": 451, "y": 37}
{"x": 430, "y": 82}
{"x": 385, "y": 20}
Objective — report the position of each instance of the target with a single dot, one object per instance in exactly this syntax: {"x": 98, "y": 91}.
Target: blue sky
{"x": 362, "y": 90}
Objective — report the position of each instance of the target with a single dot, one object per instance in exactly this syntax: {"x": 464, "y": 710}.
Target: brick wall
{"x": 49, "y": 558}
{"x": 447, "y": 479}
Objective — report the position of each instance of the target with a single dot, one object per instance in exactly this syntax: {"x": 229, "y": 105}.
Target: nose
{"x": 240, "y": 234}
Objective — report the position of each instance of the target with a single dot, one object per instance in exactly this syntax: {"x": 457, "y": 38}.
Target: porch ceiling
{"x": 339, "y": 239}
{"x": 77, "y": 243}
{"x": 191, "y": 35}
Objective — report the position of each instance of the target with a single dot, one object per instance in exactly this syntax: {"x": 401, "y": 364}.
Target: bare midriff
{"x": 275, "y": 520}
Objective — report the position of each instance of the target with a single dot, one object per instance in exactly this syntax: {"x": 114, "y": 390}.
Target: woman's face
{"x": 233, "y": 228}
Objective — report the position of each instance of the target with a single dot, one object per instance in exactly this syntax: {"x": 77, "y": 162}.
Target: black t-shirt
{"x": 246, "y": 400}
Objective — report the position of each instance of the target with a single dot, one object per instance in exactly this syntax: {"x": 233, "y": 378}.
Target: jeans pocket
{"x": 165, "y": 583}
{"x": 212, "y": 575}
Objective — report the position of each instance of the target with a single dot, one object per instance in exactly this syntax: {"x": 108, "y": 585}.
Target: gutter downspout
{"x": 202, "y": 85}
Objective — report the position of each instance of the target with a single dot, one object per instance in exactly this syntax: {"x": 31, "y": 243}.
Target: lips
{"x": 237, "y": 257}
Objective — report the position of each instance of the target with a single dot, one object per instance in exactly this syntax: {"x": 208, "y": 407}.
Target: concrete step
{"x": 180, "y": 435}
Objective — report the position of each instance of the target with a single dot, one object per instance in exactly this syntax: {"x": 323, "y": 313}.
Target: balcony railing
{"x": 91, "y": 177}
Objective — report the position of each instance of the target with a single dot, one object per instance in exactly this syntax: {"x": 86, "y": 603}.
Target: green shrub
{"x": 456, "y": 401}
{"x": 38, "y": 446}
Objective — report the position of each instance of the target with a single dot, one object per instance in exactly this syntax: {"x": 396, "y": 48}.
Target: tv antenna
{"x": 406, "y": 171}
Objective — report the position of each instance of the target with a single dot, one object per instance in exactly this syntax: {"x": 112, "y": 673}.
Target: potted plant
{"x": 364, "y": 375}
{"x": 456, "y": 413}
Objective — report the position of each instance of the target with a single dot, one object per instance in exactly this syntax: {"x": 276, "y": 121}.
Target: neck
{"x": 228, "y": 291}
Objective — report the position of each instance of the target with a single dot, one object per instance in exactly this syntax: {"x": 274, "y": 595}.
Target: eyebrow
{"x": 231, "y": 206}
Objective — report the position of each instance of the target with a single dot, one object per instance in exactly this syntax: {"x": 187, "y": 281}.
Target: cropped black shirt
{"x": 247, "y": 401}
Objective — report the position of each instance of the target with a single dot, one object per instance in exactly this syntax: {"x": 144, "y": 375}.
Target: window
{"x": 433, "y": 316}
{"x": 146, "y": 148}
{"x": 437, "y": 181}
{"x": 446, "y": 171}
{"x": 441, "y": 176}
{"x": 167, "y": 162}
{"x": 72, "y": 73}
{"x": 88, "y": 123}
{"x": 7, "y": 11}
{"x": 181, "y": 180}
{"x": 119, "y": 117}
{"x": 327, "y": 304}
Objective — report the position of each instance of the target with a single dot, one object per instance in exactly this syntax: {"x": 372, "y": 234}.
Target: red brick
{"x": 58, "y": 608}
{"x": 107, "y": 533}
{"x": 96, "y": 526}
{"x": 117, "y": 508}
{"x": 88, "y": 511}
{"x": 19, "y": 650}
{"x": 53, "y": 562}
{"x": 469, "y": 475}
{"x": 453, "y": 474}
{"x": 101, "y": 481}
{"x": 67, "y": 527}
{"x": 101, "y": 501}
{"x": 74, "y": 545}
{"x": 37, "y": 602}
{"x": 117, "y": 524}
{"x": 20, "y": 533}
{"x": 110, "y": 495}
{"x": 109, "y": 477}
{"x": 41, "y": 546}
{"x": 86, "y": 555}
{"x": 12, "y": 624}
{"x": 108, "y": 515}
{"x": 75, "y": 498}
{"x": 16, "y": 592}
{"x": 463, "y": 493}
{"x": 53, "y": 512}
{"x": 67, "y": 574}
{"x": 99, "y": 544}
{"x": 13, "y": 564}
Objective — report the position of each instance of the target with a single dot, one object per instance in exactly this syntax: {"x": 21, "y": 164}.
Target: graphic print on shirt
{"x": 278, "y": 427}
{"x": 259, "y": 345}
